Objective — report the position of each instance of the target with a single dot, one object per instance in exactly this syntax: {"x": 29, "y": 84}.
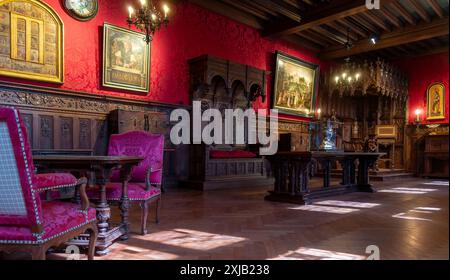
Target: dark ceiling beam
{"x": 297, "y": 40}
{"x": 390, "y": 17}
{"x": 358, "y": 19}
{"x": 246, "y": 8}
{"x": 361, "y": 32}
{"x": 401, "y": 36}
{"x": 230, "y": 12}
{"x": 296, "y": 3}
{"x": 336, "y": 37}
{"x": 419, "y": 9}
{"x": 256, "y": 6}
{"x": 322, "y": 14}
{"x": 342, "y": 30}
{"x": 314, "y": 34}
{"x": 379, "y": 22}
{"x": 403, "y": 12}
{"x": 314, "y": 38}
{"x": 277, "y": 6}
{"x": 436, "y": 8}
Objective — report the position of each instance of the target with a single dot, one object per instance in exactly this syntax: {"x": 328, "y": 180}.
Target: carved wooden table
{"x": 102, "y": 167}
{"x": 291, "y": 172}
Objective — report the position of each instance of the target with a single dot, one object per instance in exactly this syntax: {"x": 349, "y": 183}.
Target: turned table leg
{"x": 125, "y": 176}
{"x": 363, "y": 174}
{"x": 103, "y": 209}
{"x": 326, "y": 165}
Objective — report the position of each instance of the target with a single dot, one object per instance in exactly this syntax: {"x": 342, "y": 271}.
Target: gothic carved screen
{"x": 31, "y": 36}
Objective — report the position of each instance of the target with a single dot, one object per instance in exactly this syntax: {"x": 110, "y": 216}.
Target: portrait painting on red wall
{"x": 126, "y": 59}
{"x": 436, "y": 101}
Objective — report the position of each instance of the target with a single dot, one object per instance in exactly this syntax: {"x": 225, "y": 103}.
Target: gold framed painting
{"x": 126, "y": 59}
{"x": 436, "y": 101}
{"x": 386, "y": 131}
{"x": 295, "y": 87}
{"x": 31, "y": 41}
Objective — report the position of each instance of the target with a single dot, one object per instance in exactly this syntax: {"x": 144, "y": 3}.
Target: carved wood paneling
{"x": 63, "y": 121}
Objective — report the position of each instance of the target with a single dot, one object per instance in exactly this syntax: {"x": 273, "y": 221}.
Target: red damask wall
{"x": 193, "y": 31}
{"x": 423, "y": 71}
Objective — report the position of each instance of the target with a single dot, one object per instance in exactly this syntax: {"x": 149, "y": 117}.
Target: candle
{"x": 319, "y": 112}
{"x": 166, "y": 10}
{"x": 130, "y": 11}
{"x": 418, "y": 113}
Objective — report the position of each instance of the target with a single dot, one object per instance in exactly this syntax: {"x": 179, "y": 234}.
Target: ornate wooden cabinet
{"x": 221, "y": 84}
{"x": 436, "y": 156}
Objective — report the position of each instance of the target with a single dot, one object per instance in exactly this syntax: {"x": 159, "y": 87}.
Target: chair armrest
{"x": 150, "y": 170}
{"x": 81, "y": 188}
{"x": 53, "y": 181}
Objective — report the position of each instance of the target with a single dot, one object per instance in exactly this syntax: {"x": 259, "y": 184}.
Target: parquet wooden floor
{"x": 406, "y": 219}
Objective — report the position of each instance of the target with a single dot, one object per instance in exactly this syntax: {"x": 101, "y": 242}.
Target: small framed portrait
{"x": 126, "y": 59}
{"x": 436, "y": 101}
{"x": 296, "y": 85}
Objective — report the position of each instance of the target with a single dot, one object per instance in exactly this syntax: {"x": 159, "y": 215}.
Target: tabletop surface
{"x": 326, "y": 154}
{"x": 85, "y": 158}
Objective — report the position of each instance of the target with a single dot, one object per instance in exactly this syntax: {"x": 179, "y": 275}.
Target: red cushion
{"x": 53, "y": 180}
{"x": 58, "y": 218}
{"x": 135, "y": 192}
{"x": 232, "y": 154}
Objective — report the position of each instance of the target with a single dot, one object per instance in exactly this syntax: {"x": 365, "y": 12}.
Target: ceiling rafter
{"x": 399, "y": 37}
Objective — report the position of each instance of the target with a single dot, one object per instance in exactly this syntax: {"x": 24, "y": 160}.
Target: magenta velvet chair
{"x": 146, "y": 178}
{"x": 26, "y": 222}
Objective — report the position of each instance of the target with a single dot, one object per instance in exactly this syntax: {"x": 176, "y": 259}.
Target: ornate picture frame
{"x": 436, "y": 101}
{"x": 295, "y": 86}
{"x": 31, "y": 41}
{"x": 126, "y": 59}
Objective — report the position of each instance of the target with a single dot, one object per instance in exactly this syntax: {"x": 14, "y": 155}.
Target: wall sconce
{"x": 418, "y": 114}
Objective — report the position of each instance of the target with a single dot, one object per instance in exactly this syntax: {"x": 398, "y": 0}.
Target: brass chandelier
{"x": 148, "y": 18}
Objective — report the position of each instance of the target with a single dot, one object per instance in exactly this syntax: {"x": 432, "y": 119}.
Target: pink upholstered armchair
{"x": 146, "y": 178}
{"x": 26, "y": 222}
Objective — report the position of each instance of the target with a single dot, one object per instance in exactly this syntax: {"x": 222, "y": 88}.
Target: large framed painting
{"x": 31, "y": 41}
{"x": 126, "y": 59}
{"x": 436, "y": 101}
{"x": 296, "y": 85}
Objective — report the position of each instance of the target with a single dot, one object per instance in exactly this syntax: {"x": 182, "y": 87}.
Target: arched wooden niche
{"x": 239, "y": 80}
{"x": 238, "y": 97}
{"x": 31, "y": 41}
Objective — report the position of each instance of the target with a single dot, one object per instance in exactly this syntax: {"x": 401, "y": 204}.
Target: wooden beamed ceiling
{"x": 405, "y": 28}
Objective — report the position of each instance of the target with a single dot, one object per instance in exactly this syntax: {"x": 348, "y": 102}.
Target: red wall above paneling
{"x": 423, "y": 71}
{"x": 193, "y": 31}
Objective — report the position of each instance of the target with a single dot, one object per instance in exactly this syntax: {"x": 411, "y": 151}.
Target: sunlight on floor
{"x": 417, "y": 210}
{"x": 146, "y": 254}
{"x": 408, "y": 190}
{"x": 437, "y": 183}
{"x": 347, "y": 204}
{"x": 192, "y": 239}
{"x": 415, "y": 189}
{"x": 304, "y": 253}
{"x": 325, "y": 209}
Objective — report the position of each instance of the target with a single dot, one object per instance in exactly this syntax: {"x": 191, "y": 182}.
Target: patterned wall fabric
{"x": 11, "y": 197}
{"x": 192, "y": 31}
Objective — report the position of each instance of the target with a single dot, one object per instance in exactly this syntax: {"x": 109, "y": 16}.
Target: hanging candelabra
{"x": 348, "y": 77}
{"x": 148, "y": 18}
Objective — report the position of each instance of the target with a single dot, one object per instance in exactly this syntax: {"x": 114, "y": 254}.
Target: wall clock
{"x": 83, "y": 10}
